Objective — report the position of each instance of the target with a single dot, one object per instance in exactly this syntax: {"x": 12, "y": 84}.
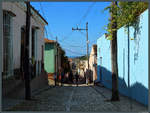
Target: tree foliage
{"x": 82, "y": 57}
{"x": 127, "y": 15}
{"x": 64, "y": 61}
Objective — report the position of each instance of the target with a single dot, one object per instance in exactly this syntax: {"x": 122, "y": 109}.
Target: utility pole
{"x": 26, "y": 59}
{"x": 148, "y": 65}
{"x": 87, "y": 41}
{"x": 56, "y": 61}
{"x": 1, "y": 46}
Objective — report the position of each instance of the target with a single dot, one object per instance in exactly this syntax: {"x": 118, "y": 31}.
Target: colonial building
{"x": 83, "y": 66}
{"x": 52, "y": 58}
{"x": 14, "y": 22}
{"x": 13, "y": 47}
{"x": 93, "y": 62}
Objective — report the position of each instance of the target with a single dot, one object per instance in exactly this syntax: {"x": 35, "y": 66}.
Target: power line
{"x": 82, "y": 33}
{"x": 72, "y": 50}
{"x": 77, "y": 53}
{"x": 87, "y": 12}
{"x": 68, "y": 44}
{"x": 87, "y": 41}
{"x": 46, "y": 32}
{"x": 84, "y": 16}
{"x": 69, "y": 34}
{"x": 101, "y": 34}
{"x": 75, "y": 46}
{"x": 64, "y": 38}
{"x": 51, "y": 35}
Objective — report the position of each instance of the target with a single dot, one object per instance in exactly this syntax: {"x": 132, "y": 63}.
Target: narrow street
{"x": 75, "y": 56}
{"x": 80, "y": 99}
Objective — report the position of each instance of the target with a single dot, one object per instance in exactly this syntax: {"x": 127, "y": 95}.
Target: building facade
{"x": 137, "y": 67}
{"x": 50, "y": 56}
{"x": 93, "y": 62}
{"x": 51, "y": 52}
{"x": 52, "y": 59}
{"x": 14, "y": 22}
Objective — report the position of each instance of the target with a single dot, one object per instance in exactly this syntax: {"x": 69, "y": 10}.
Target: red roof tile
{"x": 49, "y": 41}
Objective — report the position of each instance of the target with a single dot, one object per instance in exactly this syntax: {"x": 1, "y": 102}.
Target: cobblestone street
{"x": 80, "y": 99}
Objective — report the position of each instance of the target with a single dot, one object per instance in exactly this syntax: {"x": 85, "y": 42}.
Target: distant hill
{"x": 82, "y": 57}
{"x": 72, "y": 56}
{"x": 78, "y": 57}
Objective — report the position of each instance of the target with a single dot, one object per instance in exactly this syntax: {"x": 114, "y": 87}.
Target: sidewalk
{"x": 125, "y": 103}
{"x": 9, "y": 103}
{"x": 17, "y": 95}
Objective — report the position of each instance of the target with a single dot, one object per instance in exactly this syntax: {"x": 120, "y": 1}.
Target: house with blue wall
{"x": 138, "y": 87}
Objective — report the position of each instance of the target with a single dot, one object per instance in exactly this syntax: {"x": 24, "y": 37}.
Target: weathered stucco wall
{"x": 49, "y": 58}
{"x": 138, "y": 61}
{"x": 19, "y": 21}
{"x": 92, "y": 62}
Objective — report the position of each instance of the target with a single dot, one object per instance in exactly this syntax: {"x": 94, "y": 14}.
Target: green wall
{"x": 49, "y": 58}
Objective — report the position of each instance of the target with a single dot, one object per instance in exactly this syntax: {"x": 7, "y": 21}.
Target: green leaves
{"x": 107, "y": 8}
{"x": 109, "y": 37}
{"x": 129, "y": 12}
{"x": 125, "y": 14}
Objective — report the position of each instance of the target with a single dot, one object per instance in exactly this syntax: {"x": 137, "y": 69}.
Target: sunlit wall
{"x": 138, "y": 87}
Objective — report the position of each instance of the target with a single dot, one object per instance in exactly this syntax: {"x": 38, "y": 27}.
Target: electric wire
{"x": 50, "y": 33}
{"x": 67, "y": 36}
{"x": 74, "y": 46}
{"x": 77, "y": 53}
{"x": 86, "y": 13}
{"x": 83, "y": 17}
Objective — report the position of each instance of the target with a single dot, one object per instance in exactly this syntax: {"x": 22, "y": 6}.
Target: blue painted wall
{"x": 138, "y": 61}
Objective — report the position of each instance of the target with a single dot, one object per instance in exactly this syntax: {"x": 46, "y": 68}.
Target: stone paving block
{"x": 79, "y": 99}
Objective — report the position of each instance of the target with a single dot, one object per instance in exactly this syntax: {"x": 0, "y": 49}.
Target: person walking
{"x": 55, "y": 77}
{"x": 87, "y": 76}
{"x": 71, "y": 77}
{"x": 77, "y": 78}
{"x": 62, "y": 76}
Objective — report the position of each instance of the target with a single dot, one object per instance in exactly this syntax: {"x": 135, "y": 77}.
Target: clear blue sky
{"x": 62, "y": 16}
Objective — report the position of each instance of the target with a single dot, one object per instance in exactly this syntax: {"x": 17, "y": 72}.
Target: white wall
{"x": 18, "y": 21}
{"x": 91, "y": 62}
